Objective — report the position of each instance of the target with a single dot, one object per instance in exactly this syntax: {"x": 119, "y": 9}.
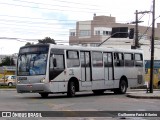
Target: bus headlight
{"x": 42, "y": 80}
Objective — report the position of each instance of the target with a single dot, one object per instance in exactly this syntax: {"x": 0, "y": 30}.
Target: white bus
{"x": 49, "y": 68}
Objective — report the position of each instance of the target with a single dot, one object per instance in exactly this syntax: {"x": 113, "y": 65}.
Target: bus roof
{"x": 74, "y": 47}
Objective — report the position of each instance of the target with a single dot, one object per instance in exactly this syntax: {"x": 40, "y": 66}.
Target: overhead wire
{"x": 29, "y": 40}
{"x": 68, "y": 2}
{"x": 88, "y": 8}
{"x": 148, "y": 25}
{"x": 36, "y": 7}
{"x": 35, "y": 18}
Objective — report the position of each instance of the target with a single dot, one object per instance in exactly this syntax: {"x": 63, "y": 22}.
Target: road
{"x": 84, "y": 101}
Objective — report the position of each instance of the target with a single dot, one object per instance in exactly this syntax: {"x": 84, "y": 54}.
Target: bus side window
{"x": 128, "y": 57}
{"x": 138, "y": 60}
{"x": 107, "y": 59}
{"x": 51, "y": 62}
{"x": 97, "y": 59}
{"x": 73, "y": 59}
{"x": 118, "y": 59}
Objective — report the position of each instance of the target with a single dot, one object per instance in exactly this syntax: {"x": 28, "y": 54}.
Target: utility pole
{"x": 152, "y": 49}
{"x": 136, "y": 35}
{"x": 136, "y": 27}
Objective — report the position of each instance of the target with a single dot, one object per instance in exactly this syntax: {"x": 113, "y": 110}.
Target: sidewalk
{"x": 143, "y": 94}
{"x": 7, "y": 89}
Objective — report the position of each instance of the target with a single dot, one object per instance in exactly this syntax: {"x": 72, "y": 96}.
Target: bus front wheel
{"x": 71, "y": 89}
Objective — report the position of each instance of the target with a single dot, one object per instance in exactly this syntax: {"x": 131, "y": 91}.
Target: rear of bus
{"x": 32, "y": 68}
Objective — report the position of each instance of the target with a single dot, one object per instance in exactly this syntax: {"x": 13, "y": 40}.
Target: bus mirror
{"x": 54, "y": 62}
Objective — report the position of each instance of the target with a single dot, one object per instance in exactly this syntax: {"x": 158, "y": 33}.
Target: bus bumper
{"x": 32, "y": 88}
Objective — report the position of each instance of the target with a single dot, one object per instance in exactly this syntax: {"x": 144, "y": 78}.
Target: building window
{"x": 94, "y": 44}
{"x": 85, "y": 33}
{"x": 106, "y": 33}
{"x": 97, "y": 32}
{"x": 72, "y": 34}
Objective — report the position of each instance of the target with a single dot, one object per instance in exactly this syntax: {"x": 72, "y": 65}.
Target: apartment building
{"x": 93, "y": 32}
{"x": 97, "y": 30}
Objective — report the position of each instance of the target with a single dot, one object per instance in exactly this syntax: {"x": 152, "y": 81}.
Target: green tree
{"x": 28, "y": 43}
{"x": 7, "y": 61}
{"x": 47, "y": 40}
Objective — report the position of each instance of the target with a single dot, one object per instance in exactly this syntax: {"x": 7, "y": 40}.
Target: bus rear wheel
{"x": 158, "y": 85}
{"x": 44, "y": 95}
{"x": 122, "y": 88}
{"x": 71, "y": 89}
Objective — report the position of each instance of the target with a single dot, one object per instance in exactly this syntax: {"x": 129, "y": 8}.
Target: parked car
{"x": 8, "y": 80}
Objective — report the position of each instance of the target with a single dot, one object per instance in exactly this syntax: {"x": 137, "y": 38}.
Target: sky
{"x": 23, "y": 21}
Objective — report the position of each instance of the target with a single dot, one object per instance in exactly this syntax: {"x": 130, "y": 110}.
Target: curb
{"x": 143, "y": 97}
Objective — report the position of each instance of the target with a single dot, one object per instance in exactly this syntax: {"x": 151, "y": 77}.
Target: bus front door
{"x": 108, "y": 66}
{"x": 85, "y": 68}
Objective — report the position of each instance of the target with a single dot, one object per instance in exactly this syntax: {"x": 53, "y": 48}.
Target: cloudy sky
{"x": 30, "y": 20}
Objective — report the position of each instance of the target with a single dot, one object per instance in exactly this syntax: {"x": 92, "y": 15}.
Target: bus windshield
{"x": 32, "y": 64}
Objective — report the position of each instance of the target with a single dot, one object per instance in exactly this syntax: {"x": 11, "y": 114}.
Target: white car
{"x": 9, "y": 80}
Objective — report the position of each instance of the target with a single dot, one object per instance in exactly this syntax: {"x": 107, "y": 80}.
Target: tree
{"x": 28, "y": 43}
{"x": 47, "y": 40}
{"x": 7, "y": 61}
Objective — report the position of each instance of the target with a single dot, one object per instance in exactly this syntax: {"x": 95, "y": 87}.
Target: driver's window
{"x": 57, "y": 62}
{"x": 51, "y": 62}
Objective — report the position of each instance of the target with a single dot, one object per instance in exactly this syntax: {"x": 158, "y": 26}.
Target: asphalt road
{"x": 84, "y": 101}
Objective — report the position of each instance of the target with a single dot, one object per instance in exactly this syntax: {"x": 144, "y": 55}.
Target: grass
{"x": 7, "y": 87}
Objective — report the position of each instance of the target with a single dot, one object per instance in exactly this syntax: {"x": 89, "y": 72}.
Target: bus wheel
{"x": 44, "y": 95}
{"x": 71, "y": 89}
{"x": 98, "y": 92}
{"x": 159, "y": 85}
{"x": 10, "y": 84}
{"x": 123, "y": 87}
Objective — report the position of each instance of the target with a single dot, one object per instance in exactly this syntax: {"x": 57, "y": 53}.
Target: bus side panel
{"x": 118, "y": 72}
{"x": 98, "y": 78}
{"x": 131, "y": 74}
{"x": 59, "y": 84}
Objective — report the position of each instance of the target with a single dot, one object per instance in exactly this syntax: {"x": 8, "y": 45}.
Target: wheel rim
{"x": 123, "y": 87}
{"x": 73, "y": 89}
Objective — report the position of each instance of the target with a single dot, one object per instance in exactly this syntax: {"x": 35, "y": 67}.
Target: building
{"x": 93, "y": 32}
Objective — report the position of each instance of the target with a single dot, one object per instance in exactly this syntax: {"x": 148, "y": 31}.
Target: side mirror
{"x": 54, "y": 62}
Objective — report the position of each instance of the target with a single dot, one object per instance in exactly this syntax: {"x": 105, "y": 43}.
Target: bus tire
{"x": 159, "y": 84}
{"x": 44, "y": 95}
{"x": 10, "y": 84}
{"x": 71, "y": 89}
{"x": 122, "y": 88}
{"x": 98, "y": 92}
